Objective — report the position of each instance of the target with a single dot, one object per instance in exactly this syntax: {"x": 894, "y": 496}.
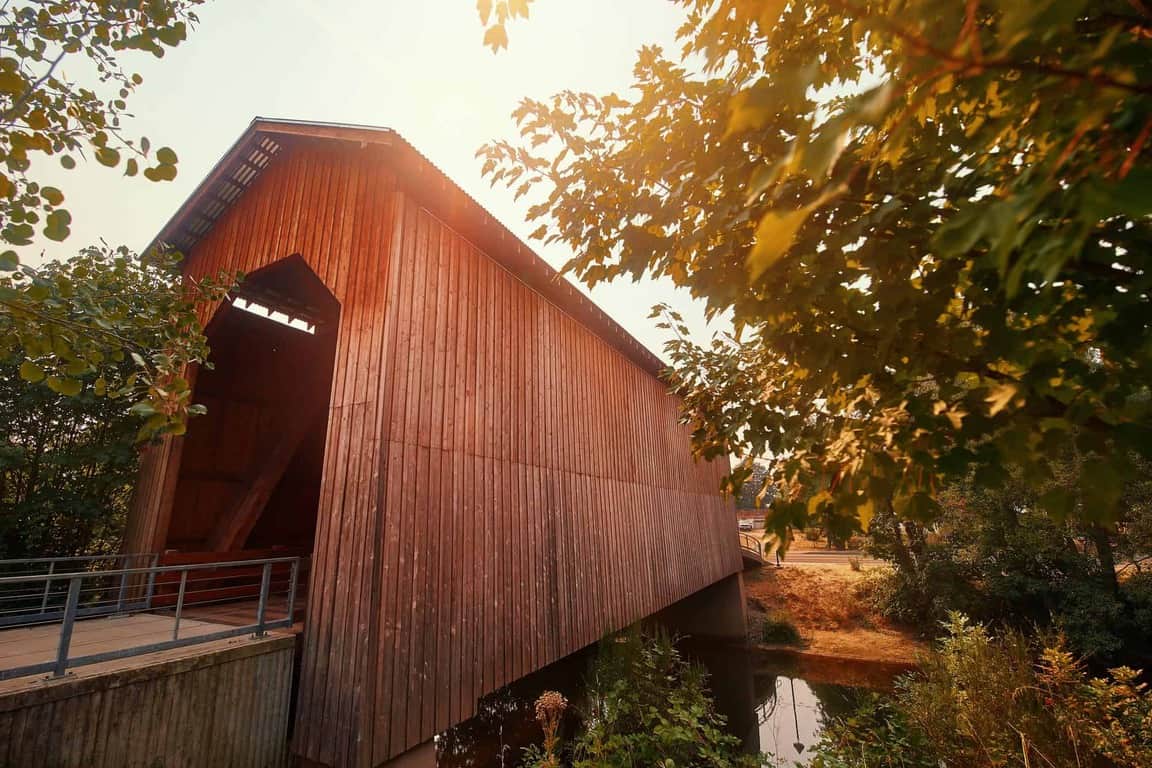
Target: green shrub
{"x": 876, "y": 735}
{"x": 1004, "y": 701}
{"x": 647, "y": 706}
{"x": 1010, "y": 567}
{"x": 778, "y": 630}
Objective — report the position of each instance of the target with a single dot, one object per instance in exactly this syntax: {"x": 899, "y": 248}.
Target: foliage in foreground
{"x": 929, "y": 221}
{"x": 995, "y": 557}
{"x": 113, "y": 324}
{"x": 646, "y": 706}
{"x": 50, "y": 112}
{"x": 999, "y": 702}
{"x": 67, "y": 465}
{"x": 64, "y": 88}
{"x": 91, "y": 363}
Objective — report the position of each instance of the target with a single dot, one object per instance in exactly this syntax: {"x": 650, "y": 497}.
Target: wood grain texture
{"x": 501, "y": 484}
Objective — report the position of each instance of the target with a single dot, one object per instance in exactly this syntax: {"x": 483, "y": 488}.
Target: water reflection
{"x": 791, "y": 717}
{"x": 796, "y": 695}
{"x": 505, "y": 723}
{"x": 774, "y": 702}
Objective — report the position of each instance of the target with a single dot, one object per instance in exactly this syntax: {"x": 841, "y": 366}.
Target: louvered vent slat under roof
{"x": 256, "y": 156}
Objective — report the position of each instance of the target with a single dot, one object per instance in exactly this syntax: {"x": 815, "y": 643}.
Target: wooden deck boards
{"x": 24, "y": 646}
{"x": 243, "y": 612}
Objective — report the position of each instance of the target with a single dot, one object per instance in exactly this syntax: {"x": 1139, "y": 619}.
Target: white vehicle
{"x": 747, "y": 525}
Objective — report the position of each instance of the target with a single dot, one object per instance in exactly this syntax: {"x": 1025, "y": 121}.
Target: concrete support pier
{"x": 223, "y": 704}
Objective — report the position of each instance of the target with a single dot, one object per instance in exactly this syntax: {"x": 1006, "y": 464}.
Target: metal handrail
{"x": 72, "y": 558}
{"x": 157, "y": 569}
{"x": 73, "y": 610}
{"x": 69, "y": 566}
{"x": 752, "y": 544}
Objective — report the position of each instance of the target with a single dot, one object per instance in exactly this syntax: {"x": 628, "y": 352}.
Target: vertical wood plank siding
{"x": 501, "y": 486}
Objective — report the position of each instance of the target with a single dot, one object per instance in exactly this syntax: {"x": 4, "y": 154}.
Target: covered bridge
{"x": 486, "y": 470}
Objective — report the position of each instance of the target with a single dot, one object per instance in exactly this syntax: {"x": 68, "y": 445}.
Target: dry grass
{"x": 829, "y": 608}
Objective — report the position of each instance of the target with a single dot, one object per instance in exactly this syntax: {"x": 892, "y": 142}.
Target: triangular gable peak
{"x": 265, "y": 139}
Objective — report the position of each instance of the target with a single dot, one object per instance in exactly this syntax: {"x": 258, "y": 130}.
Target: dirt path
{"x": 829, "y": 608}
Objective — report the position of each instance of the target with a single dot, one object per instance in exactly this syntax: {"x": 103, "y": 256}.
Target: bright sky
{"x": 418, "y": 67}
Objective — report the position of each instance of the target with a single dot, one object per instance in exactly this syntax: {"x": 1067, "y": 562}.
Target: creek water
{"x": 775, "y": 702}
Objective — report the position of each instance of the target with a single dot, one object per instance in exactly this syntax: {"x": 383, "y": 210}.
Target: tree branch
{"x": 964, "y": 63}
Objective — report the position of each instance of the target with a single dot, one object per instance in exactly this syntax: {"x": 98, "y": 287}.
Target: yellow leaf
{"x": 774, "y": 237}
{"x": 770, "y": 13}
{"x": 1000, "y": 395}
{"x": 484, "y": 8}
{"x": 927, "y": 110}
{"x": 818, "y": 501}
{"x": 496, "y": 37}
{"x": 748, "y": 110}
{"x": 956, "y": 416}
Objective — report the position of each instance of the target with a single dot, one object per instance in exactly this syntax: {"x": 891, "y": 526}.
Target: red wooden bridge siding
{"x": 501, "y": 485}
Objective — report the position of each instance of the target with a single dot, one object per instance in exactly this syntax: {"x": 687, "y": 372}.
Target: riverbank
{"x": 829, "y": 608}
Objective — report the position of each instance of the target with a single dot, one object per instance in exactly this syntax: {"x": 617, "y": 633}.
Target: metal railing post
{"x": 265, "y": 583}
{"x": 152, "y": 583}
{"x": 123, "y": 593}
{"x": 47, "y": 586}
{"x": 292, "y": 589}
{"x": 66, "y": 627}
{"x": 180, "y": 604}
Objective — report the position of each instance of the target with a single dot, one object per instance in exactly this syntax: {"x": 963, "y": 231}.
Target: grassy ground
{"x": 829, "y": 608}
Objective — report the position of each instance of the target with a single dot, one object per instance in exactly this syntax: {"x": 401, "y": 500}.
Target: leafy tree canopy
{"x": 113, "y": 324}
{"x": 929, "y": 220}
{"x": 73, "y": 325}
{"x": 46, "y": 113}
{"x": 67, "y": 466}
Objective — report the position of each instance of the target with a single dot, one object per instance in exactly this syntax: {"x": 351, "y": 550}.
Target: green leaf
{"x": 57, "y": 225}
{"x": 9, "y": 261}
{"x": 29, "y": 371}
{"x": 160, "y": 173}
{"x": 165, "y": 156}
{"x": 818, "y": 502}
{"x": 1058, "y": 503}
{"x": 919, "y": 506}
{"x": 64, "y": 386}
{"x": 173, "y": 35}
{"x": 1101, "y": 485}
{"x": 143, "y": 408}
{"x": 107, "y": 156}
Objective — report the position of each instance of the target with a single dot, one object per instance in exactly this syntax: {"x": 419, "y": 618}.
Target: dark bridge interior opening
{"x": 250, "y": 469}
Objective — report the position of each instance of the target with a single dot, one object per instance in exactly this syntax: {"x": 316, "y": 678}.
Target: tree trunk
{"x": 1103, "y": 543}
{"x": 900, "y": 553}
